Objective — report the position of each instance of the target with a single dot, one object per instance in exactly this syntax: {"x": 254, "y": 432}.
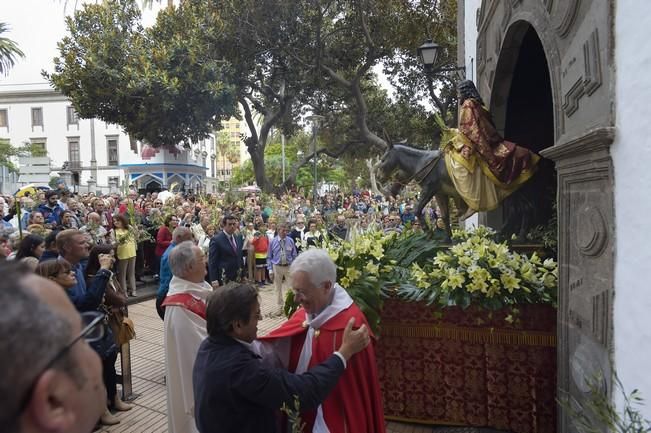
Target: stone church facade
{"x": 559, "y": 77}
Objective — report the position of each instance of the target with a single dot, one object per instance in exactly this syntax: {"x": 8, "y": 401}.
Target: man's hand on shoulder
{"x": 354, "y": 340}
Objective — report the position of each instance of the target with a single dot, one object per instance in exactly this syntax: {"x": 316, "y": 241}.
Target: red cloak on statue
{"x": 355, "y": 404}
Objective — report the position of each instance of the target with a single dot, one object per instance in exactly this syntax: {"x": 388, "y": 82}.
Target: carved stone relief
{"x": 586, "y": 261}
{"x": 592, "y": 232}
{"x": 565, "y": 16}
{"x": 591, "y": 79}
{"x": 575, "y": 35}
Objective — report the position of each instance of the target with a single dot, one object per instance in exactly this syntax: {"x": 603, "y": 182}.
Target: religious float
{"x": 466, "y": 332}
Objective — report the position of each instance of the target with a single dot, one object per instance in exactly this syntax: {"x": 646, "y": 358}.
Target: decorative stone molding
{"x": 595, "y": 140}
{"x": 592, "y": 78}
{"x": 592, "y": 231}
{"x": 569, "y": 9}
{"x": 549, "y": 4}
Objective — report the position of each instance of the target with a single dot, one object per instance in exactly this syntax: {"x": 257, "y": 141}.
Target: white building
{"x": 571, "y": 77}
{"x": 99, "y": 155}
{"x": 93, "y": 155}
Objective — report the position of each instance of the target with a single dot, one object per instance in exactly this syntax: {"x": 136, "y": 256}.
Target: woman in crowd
{"x": 126, "y": 253}
{"x": 313, "y": 238}
{"x": 164, "y": 235}
{"x": 249, "y": 249}
{"x": 114, "y": 297}
{"x": 59, "y": 271}
{"x": 149, "y": 221}
{"x": 30, "y": 250}
{"x": 260, "y": 245}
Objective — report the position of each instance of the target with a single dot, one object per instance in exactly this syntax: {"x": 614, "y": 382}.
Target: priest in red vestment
{"x": 311, "y": 335}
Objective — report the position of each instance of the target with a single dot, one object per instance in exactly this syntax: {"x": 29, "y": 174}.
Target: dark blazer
{"x": 296, "y": 237}
{"x": 235, "y": 392}
{"x": 222, "y": 260}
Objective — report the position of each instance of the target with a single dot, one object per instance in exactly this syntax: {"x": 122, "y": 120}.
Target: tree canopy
{"x": 280, "y": 60}
{"x": 158, "y": 83}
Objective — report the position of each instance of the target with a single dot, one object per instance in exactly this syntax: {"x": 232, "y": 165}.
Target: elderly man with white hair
{"x": 308, "y": 338}
{"x": 185, "y": 329}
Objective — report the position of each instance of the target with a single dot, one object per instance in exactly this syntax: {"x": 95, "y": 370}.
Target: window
{"x": 37, "y": 117}
{"x": 39, "y": 144}
{"x": 112, "y": 147}
{"x": 4, "y": 121}
{"x": 74, "y": 157}
{"x": 71, "y": 116}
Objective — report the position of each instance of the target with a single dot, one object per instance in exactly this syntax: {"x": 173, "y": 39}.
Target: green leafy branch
{"x": 597, "y": 413}
{"x": 293, "y": 415}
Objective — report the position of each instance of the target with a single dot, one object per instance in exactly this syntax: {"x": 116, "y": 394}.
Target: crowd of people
{"x": 207, "y": 257}
{"x": 141, "y": 225}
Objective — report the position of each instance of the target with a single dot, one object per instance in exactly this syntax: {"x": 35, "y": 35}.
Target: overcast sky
{"x": 37, "y": 26}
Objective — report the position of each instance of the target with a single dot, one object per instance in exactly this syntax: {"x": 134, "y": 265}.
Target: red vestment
{"x": 187, "y": 301}
{"x": 355, "y": 404}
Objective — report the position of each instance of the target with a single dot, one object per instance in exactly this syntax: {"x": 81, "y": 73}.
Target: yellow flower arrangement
{"x": 475, "y": 271}
{"x": 480, "y": 271}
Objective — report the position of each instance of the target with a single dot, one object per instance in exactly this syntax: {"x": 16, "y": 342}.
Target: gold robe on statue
{"x": 484, "y": 167}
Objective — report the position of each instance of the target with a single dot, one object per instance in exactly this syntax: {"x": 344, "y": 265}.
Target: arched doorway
{"x": 523, "y": 109}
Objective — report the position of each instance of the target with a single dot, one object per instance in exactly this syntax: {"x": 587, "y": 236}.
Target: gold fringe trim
{"x": 471, "y": 335}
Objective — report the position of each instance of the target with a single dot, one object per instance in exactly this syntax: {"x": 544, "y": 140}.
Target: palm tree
{"x": 9, "y": 51}
{"x": 222, "y": 141}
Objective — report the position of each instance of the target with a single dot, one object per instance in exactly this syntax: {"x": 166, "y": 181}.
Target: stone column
{"x": 586, "y": 249}
{"x": 92, "y": 185}
{"x": 113, "y": 186}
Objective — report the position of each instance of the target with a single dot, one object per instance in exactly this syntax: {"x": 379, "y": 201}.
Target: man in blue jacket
{"x": 51, "y": 209}
{"x": 234, "y": 391}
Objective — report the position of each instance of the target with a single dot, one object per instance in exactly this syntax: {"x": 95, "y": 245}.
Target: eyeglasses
{"x": 93, "y": 329}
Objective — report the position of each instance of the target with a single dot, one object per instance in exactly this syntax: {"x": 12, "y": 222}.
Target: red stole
{"x": 187, "y": 301}
{"x": 355, "y": 404}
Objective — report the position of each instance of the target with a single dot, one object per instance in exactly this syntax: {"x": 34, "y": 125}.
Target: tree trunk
{"x": 371, "y": 171}
{"x": 257, "y": 159}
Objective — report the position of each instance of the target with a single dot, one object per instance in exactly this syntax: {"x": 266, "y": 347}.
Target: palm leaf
{"x": 9, "y": 51}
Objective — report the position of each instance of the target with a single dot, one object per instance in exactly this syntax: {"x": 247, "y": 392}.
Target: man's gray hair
{"x": 181, "y": 234}
{"x": 31, "y": 334}
{"x": 317, "y": 264}
{"x": 182, "y": 257}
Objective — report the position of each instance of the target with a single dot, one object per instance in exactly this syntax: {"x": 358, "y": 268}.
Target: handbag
{"x": 122, "y": 327}
{"x": 114, "y": 296}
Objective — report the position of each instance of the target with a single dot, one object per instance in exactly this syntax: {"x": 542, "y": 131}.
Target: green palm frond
{"x": 447, "y": 133}
{"x": 9, "y": 51}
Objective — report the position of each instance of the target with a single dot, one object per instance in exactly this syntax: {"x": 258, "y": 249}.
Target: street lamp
{"x": 315, "y": 119}
{"x": 428, "y": 54}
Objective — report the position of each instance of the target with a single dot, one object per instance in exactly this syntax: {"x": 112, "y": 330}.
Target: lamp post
{"x": 299, "y": 156}
{"x": 428, "y": 54}
{"x": 282, "y": 151}
{"x": 315, "y": 119}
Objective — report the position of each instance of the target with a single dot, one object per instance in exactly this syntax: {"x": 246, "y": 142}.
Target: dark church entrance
{"x": 522, "y": 106}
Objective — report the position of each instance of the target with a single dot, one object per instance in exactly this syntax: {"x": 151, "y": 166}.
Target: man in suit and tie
{"x": 225, "y": 254}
